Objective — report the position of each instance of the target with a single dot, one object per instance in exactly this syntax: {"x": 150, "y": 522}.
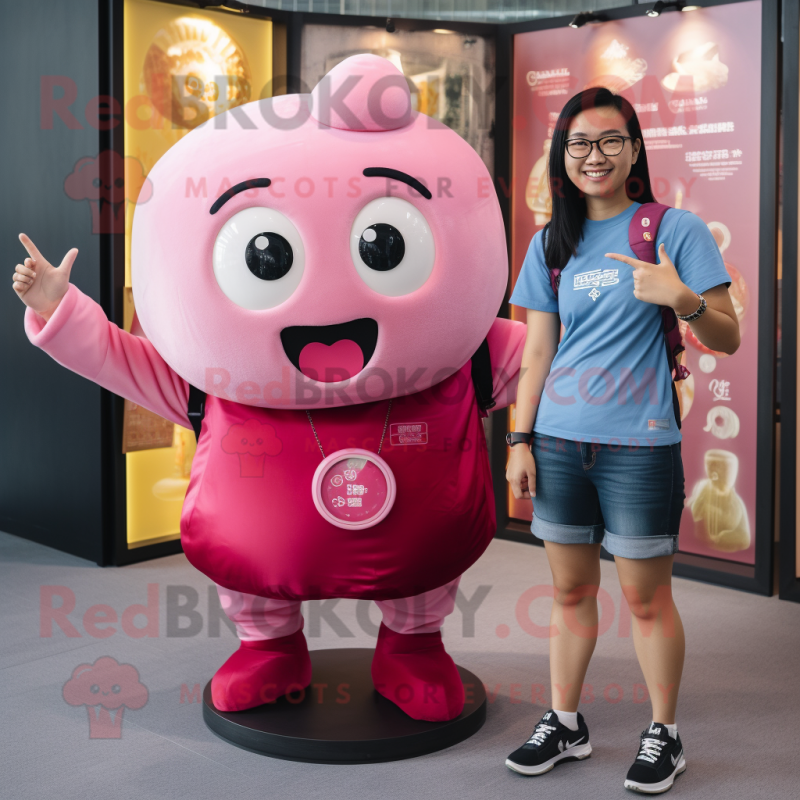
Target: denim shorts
{"x": 629, "y": 500}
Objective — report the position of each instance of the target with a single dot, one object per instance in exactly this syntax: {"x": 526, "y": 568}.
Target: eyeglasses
{"x": 608, "y": 146}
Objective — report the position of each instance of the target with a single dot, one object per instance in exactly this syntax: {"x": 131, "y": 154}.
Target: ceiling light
{"x": 581, "y": 18}
{"x": 665, "y": 5}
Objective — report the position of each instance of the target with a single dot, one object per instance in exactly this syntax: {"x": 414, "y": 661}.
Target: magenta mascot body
{"x": 332, "y": 298}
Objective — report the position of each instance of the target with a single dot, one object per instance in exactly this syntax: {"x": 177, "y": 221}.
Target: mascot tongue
{"x": 330, "y": 363}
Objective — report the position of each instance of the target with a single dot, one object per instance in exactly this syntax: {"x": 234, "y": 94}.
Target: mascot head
{"x": 321, "y": 249}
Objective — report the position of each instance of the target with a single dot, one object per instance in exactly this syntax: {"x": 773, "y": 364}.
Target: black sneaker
{"x": 550, "y": 743}
{"x": 660, "y": 759}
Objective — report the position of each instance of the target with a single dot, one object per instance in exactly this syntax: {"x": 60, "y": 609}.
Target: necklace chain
{"x": 383, "y": 433}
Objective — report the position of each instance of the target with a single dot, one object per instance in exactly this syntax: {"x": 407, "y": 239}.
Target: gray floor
{"x": 738, "y": 716}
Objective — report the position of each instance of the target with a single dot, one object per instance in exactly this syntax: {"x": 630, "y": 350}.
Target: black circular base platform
{"x": 341, "y": 719}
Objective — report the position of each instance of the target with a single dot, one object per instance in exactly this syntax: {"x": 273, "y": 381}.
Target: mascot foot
{"x": 414, "y": 671}
{"x": 261, "y": 672}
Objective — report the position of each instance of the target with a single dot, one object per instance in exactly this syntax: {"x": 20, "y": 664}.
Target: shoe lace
{"x": 650, "y": 750}
{"x": 543, "y": 730}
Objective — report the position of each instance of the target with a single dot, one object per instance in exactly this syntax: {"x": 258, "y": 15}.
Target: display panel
{"x": 451, "y": 75}
{"x": 795, "y": 146}
{"x": 686, "y": 74}
{"x": 181, "y": 67}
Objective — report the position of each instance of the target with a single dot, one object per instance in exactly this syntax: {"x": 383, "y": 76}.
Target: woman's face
{"x": 599, "y": 175}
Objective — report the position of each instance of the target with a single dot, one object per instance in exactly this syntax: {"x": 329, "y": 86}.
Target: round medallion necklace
{"x": 353, "y": 488}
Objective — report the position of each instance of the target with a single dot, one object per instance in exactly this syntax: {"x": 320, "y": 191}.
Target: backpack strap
{"x": 555, "y": 274}
{"x": 643, "y": 230}
{"x": 196, "y": 409}
{"x": 482, "y": 378}
{"x": 642, "y": 234}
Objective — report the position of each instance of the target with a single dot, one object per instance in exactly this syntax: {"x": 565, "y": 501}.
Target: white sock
{"x": 672, "y": 730}
{"x": 569, "y": 719}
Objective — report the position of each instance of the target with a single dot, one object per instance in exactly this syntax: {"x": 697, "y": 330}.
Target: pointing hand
{"x": 39, "y": 284}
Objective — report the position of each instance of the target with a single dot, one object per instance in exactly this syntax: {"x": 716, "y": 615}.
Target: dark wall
{"x": 50, "y": 419}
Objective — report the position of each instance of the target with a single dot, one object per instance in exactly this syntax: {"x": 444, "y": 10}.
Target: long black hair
{"x": 565, "y": 229}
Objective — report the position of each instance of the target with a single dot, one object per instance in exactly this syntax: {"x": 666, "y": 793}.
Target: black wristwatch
{"x": 517, "y": 437}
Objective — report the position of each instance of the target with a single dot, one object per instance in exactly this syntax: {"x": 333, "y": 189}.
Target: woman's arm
{"x": 541, "y": 343}
{"x": 717, "y": 329}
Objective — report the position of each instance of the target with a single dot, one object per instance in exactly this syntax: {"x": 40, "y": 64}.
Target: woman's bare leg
{"x": 576, "y": 579}
{"x": 657, "y": 629}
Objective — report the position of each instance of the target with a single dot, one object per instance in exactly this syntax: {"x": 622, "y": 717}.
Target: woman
{"x": 597, "y": 441}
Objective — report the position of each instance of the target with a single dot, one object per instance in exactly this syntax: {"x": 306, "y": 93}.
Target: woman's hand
{"x": 39, "y": 284}
{"x": 717, "y": 328}
{"x": 660, "y": 283}
{"x": 521, "y": 472}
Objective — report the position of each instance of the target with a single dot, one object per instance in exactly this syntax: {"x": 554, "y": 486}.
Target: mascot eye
{"x": 258, "y": 258}
{"x": 116, "y": 688}
{"x": 381, "y": 246}
{"x": 392, "y": 246}
{"x": 268, "y": 256}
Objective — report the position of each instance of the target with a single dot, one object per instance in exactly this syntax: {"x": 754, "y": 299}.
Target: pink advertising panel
{"x": 694, "y": 79}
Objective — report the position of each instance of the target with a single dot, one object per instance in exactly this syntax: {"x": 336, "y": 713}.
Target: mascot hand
{"x": 38, "y": 283}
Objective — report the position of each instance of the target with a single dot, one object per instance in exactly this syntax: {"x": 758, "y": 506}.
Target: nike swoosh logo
{"x": 572, "y": 744}
{"x": 676, "y": 759}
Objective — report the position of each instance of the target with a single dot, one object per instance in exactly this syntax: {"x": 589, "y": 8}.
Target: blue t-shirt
{"x": 610, "y": 380}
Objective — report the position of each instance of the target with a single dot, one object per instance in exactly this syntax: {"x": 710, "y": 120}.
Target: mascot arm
{"x": 506, "y": 340}
{"x": 79, "y": 336}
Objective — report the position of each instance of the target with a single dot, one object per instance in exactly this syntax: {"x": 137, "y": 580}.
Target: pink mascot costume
{"x": 328, "y": 307}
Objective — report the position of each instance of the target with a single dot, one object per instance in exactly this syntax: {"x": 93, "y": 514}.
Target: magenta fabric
{"x": 262, "y": 671}
{"x": 645, "y": 250}
{"x": 249, "y": 522}
{"x": 415, "y": 672}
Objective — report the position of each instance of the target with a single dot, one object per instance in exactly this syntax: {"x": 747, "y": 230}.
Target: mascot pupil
{"x": 327, "y": 325}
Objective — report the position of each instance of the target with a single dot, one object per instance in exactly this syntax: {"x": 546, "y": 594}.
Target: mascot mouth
{"x": 330, "y": 353}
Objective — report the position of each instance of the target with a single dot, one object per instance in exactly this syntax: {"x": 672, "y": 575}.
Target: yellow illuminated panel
{"x": 181, "y": 67}
{"x": 156, "y": 485}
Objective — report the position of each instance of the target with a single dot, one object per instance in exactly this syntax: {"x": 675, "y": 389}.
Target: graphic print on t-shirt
{"x": 595, "y": 278}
